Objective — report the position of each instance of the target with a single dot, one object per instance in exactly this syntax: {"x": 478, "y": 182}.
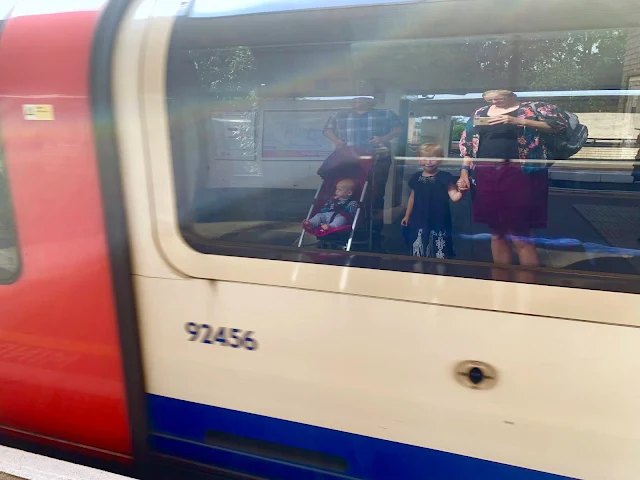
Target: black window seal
{"x": 117, "y": 232}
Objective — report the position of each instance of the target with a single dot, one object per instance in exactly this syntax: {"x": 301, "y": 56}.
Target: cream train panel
{"x": 565, "y": 401}
{"x": 136, "y": 187}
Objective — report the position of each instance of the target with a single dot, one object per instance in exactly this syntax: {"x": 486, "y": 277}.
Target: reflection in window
{"x": 273, "y": 115}
{"x": 9, "y": 262}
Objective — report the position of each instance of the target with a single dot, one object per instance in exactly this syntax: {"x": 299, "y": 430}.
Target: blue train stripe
{"x": 281, "y": 449}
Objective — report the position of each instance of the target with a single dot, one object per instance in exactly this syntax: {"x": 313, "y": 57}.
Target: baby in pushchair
{"x": 338, "y": 204}
{"x": 337, "y": 211}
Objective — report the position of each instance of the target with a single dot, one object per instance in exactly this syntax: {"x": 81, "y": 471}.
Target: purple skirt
{"x": 509, "y": 200}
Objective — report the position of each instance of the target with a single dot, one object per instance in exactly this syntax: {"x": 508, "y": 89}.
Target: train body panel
{"x": 359, "y": 357}
{"x": 359, "y": 370}
{"x": 60, "y": 365}
{"x": 290, "y": 450}
{"x": 263, "y": 360}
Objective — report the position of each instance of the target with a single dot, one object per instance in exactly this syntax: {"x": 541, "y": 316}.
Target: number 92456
{"x": 232, "y": 337}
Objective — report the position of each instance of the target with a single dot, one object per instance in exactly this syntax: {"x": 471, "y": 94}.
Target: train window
{"x": 9, "y": 260}
{"x": 346, "y": 131}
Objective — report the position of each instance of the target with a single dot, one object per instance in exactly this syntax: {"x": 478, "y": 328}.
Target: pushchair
{"x": 346, "y": 163}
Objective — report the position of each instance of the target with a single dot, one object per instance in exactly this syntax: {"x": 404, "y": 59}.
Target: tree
{"x": 457, "y": 127}
{"x": 226, "y": 72}
{"x": 435, "y": 67}
{"x": 576, "y": 61}
{"x": 570, "y": 61}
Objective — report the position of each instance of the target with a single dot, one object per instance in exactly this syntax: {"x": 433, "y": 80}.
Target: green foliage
{"x": 228, "y": 76}
{"x": 457, "y": 128}
{"x": 226, "y": 73}
{"x": 435, "y": 67}
{"x": 577, "y": 61}
{"x": 568, "y": 61}
{"x": 571, "y": 61}
{"x": 581, "y": 61}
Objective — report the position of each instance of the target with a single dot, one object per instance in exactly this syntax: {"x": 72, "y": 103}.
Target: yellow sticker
{"x": 38, "y": 112}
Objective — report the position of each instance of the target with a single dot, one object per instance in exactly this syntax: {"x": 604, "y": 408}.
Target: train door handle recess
{"x": 476, "y": 375}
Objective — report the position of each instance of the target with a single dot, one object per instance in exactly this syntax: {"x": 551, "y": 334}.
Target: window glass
{"x": 9, "y": 260}
{"x": 211, "y": 8}
{"x": 295, "y": 144}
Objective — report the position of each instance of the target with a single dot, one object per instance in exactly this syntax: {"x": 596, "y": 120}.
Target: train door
{"x": 61, "y": 369}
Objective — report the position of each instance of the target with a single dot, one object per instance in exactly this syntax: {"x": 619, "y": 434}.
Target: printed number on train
{"x": 233, "y": 337}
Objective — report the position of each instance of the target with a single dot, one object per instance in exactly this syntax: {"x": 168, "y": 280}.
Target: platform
{"x": 20, "y": 465}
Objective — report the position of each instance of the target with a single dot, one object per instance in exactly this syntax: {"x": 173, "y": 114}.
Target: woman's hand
{"x": 405, "y": 221}
{"x": 504, "y": 119}
{"x": 463, "y": 182}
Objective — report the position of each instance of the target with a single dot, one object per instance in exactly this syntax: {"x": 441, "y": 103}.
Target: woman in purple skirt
{"x": 504, "y": 142}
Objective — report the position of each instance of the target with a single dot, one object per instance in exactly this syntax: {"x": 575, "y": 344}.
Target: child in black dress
{"x": 428, "y": 216}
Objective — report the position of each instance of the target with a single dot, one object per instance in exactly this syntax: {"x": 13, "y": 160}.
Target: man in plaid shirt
{"x": 367, "y": 127}
{"x": 363, "y": 125}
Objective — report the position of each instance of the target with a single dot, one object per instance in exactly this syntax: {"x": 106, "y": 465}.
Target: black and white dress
{"x": 430, "y": 220}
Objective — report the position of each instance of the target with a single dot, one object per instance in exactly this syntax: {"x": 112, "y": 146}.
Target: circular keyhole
{"x": 476, "y": 375}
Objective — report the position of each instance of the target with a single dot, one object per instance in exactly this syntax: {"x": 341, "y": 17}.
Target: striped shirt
{"x": 357, "y": 129}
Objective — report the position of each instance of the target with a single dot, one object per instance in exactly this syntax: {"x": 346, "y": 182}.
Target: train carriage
{"x": 157, "y": 317}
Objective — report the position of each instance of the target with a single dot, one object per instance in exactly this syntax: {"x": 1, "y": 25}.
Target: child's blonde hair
{"x": 430, "y": 150}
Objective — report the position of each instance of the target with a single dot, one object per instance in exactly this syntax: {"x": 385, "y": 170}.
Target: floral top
{"x": 531, "y": 142}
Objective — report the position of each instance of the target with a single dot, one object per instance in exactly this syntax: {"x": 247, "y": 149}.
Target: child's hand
{"x": 404, "y": 222}
{"x": 325, "y": 227}
{"x": 463, "y": 184}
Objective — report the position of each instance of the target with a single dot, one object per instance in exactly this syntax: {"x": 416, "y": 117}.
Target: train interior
{"x": 257, "y": 113}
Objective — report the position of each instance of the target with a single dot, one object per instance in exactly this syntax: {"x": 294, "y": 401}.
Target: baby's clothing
{"x": 324, "y": 218}
{"x": 335, "y": 213}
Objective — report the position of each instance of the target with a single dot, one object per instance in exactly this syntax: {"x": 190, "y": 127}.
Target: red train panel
{"x": 61, "y": 369}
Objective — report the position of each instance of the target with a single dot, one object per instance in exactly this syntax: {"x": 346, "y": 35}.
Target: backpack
{"x": 571, "y": 141}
